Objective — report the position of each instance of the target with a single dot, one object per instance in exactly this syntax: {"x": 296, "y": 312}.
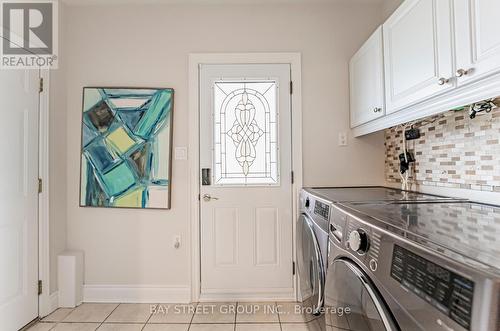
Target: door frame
{"x": 195, "y": 60}
{"x": 47, "y": 302}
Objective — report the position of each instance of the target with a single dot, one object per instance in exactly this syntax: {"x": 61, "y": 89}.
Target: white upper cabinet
{"x": 437, "y": 55}
{"x": 477, "y": 39}
{"x": 366, "y": 70}
{"x": 418, "y": 52}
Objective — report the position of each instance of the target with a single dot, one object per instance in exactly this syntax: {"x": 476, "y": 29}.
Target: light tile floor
{"x": 231, "y": 316}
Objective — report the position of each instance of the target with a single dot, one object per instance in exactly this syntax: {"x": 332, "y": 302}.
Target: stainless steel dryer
{"x": 312, "y": 230}
{"x": 414, "y": 267}
{"x": 312, "y": 249}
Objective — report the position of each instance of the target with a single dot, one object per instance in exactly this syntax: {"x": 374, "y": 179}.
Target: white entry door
{"x": 246, "y": 189}
{"x": 18, "y": 198}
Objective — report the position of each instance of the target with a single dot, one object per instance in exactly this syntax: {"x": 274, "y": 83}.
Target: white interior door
{"x": 18, "y": 198}
{"x": 246, "y": 190}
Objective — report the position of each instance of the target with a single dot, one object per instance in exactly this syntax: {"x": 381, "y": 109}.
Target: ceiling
{"x": 211, "y": 2}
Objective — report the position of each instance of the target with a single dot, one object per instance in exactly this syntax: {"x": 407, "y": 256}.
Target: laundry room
{"x": 240, "y": 165}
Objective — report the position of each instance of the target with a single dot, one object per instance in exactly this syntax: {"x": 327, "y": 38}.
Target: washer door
{"x": 310, "y": 266}
{"x": 352, "y": 302}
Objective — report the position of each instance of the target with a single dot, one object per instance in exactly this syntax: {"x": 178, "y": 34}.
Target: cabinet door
{"x": 418, "y": 52}
{"x": 477, "y": 39}
{"x": 366, "y": 70}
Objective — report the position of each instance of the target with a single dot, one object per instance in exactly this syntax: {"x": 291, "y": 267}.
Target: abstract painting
{"x": 126, "y": 147}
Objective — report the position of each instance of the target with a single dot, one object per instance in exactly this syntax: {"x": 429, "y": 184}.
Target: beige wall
{"x": 389, "y": 6}
{"x": 149, "y": 46}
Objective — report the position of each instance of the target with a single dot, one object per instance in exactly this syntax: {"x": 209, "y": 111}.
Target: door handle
{"x": 208, "y": 198}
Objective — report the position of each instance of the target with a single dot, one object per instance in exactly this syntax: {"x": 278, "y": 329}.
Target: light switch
{"x": 343, "y": 139}
{"x": 181, "y": 153}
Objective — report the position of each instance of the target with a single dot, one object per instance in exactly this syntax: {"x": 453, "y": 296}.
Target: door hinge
{"x": 40, "y": 287}
{"x": 291, "y": 87}
{"x": 293, "y": 268}
{"x": 292, "y": 176}
{"x": 40, "y": 185}
{"x": 40, "y": 90}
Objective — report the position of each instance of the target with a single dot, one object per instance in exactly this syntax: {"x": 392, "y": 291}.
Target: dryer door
{"x": 352, "y": 302}
{"x": 310, "y": 265}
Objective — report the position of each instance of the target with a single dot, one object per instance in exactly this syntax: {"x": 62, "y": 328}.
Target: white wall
{"x": 149, "y": 46}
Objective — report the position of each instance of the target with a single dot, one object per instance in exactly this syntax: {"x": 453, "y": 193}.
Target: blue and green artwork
{"x": 126, "y": 147}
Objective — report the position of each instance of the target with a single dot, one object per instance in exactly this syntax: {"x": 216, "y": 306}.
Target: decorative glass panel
{"x": 246, "y": 133}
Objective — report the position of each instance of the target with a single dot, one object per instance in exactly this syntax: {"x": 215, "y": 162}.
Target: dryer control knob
{"x": 358, "y": 241}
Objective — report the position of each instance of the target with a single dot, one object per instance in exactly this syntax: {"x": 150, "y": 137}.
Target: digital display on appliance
{"x": 447, "y": 291}
{"x": 321, "y": 209}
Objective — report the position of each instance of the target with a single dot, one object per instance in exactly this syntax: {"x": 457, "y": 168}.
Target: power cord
{"x": 482, "y": 106}
{"x": 404, "y": 160}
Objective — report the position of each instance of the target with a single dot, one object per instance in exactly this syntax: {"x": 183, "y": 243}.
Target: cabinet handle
{"x": 462, "y": 72}
{"x": 377, "y": 110}
{"x": 443, "y": 81}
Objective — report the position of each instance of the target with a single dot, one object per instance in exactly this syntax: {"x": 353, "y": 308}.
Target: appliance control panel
{"x": 447, "y": 291}
{"x": 321, "y": 209}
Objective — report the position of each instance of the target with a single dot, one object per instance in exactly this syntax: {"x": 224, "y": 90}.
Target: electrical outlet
{"x": 343, "y": 139}
{"x": 413, "y": 133}
{"x": 177, "y": 242}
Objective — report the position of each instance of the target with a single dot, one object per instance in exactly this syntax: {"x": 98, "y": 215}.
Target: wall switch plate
{"x": 343, "y": 139}
{"x": 180, "y": 153}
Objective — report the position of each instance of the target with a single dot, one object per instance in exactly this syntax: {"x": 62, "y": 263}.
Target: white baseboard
{"x": 250, "y": 295}
{"x": 136, "y": 293}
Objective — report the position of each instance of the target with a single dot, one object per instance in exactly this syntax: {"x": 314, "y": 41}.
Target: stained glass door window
{"x": 246, "y": 133}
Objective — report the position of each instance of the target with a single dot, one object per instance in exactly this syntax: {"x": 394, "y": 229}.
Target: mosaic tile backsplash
{"x": 453, "y": 151}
